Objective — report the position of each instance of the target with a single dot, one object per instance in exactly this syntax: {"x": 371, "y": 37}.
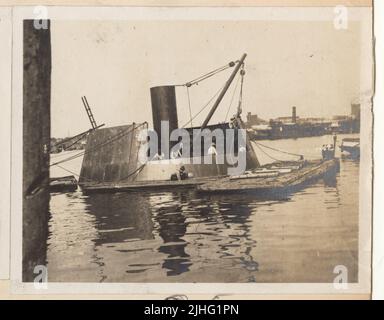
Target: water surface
{"x": 181, "y": 236}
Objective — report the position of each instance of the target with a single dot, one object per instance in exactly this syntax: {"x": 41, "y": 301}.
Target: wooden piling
{"x": 36, "y": 141}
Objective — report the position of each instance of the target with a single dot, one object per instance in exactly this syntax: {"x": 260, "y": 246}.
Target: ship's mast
{"x": 223, "y": 91}
{"x": 89, "y": 112}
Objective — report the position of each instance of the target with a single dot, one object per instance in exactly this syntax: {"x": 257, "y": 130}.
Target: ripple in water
{"x": 182, "y": 237}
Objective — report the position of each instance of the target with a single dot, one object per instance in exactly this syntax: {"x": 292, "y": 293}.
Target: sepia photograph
{"x": 193, "y": 150}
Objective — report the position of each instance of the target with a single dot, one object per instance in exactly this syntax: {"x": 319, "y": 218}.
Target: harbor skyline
{"x": 133, "y": 56}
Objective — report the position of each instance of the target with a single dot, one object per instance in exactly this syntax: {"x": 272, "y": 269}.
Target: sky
{"x": 307, "y": 64}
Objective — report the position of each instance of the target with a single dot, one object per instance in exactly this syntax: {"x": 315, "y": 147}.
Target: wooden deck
{"x": 283, "y": 183}
{"x": 262, "y": 181}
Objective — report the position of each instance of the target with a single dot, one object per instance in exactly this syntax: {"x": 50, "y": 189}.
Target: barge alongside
{"x": 279, "y": 184}
{"x": 351, "y": 147}
{"x": 273, "y": 179}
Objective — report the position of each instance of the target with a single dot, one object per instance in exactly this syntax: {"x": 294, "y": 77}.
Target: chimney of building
{"x": 294, "y": 114}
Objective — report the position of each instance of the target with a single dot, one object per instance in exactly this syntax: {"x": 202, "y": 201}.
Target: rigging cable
{"x": 74, "y": 173}
{"x": 76, "y": 141}
{"x": 208, "y": 75}
{"x": 233, "y": 96}
{"x": 189, "y": 105}
{"x": 137, "y": 170}
{"x": 206, "y": 105}
{"x": 278, "y": 150}
{"x": 240, "y": 105}
{"x": 267, "y": 154}
{"x": 196, "y": 82}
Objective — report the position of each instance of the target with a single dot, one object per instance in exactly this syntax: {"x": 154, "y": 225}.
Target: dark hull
{"x": 63, "y": 184}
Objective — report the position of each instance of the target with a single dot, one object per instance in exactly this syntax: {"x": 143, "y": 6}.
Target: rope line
{"x": 77, "y": 140}
{"x": 71, "y": 138}
{"x": 133, "y": 172}
{"x": 208, "y": 75}
{"x": 202, "y": 78}
{"x": 206, "y": 105}
{"x": 74, "y": 173}
{"x": 278, "y": 150}
{"x": 77, "y": 175}
{"x": 233, "y": 96}
{"x": 68, "y": 159}
{"x": 240, "y": 105}
{"x": 268, "y": 155}
{"x": 189, "y": 105}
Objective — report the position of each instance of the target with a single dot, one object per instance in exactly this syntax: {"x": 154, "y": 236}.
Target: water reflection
{"x": 72, "y": 232}
{"x": 172, "y": 227}
{"x": 120, "y": 217}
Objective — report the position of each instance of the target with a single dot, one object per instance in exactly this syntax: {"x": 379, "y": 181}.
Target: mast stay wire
{"x": 232, "y": 98}
{"x": 267, "y": 154}
{"x": 189, "y": 105}
{"x": 73, "y": 173}
{"x": 240, "y": 105}
{"x": 205, "y": 106}
{"x": 278, "y": 150}
{"x": 207, "y": 75}
{"x": 72, "y": 144}
{"x": 197, "y": 80}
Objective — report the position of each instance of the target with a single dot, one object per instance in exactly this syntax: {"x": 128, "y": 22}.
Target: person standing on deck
{"x": 212, "y": 149}
{"x": 212, "y": 152}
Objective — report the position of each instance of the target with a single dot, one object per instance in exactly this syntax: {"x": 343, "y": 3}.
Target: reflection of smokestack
{"x": 164, "y": 108}
{"x": 294, "y": 114}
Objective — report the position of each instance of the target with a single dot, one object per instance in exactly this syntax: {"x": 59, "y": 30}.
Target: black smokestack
{"x": 164, "y": 108}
